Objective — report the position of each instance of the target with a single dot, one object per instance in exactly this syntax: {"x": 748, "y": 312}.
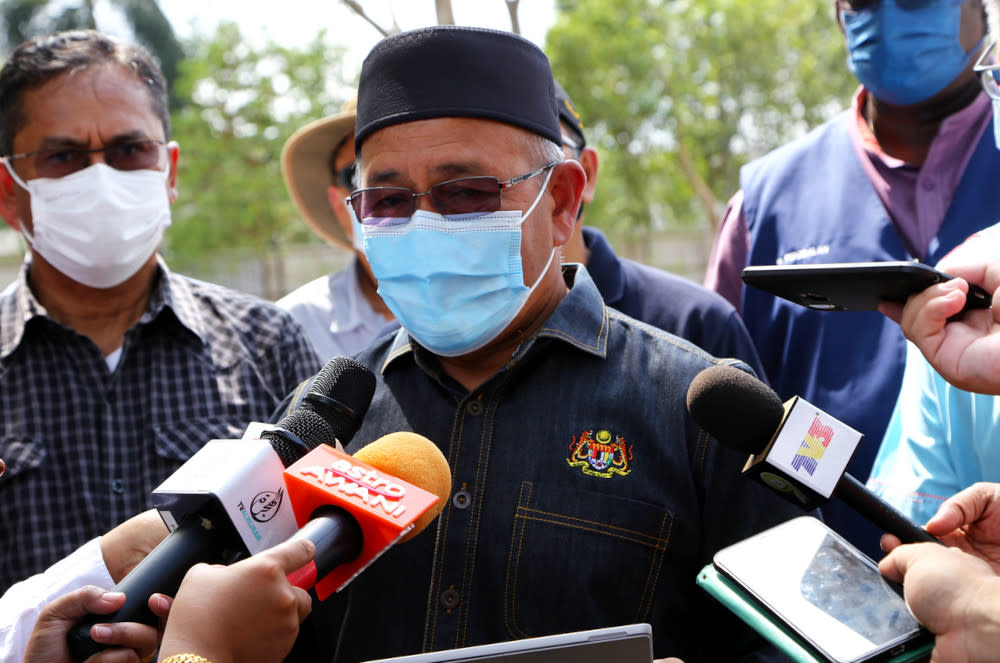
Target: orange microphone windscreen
{"x": 416, "y": 460}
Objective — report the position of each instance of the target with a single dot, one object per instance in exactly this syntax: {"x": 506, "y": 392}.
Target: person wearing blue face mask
{"x": 585, "y": 494}
{"x": 943, "y": 435}
{"x": 906, "y": 173}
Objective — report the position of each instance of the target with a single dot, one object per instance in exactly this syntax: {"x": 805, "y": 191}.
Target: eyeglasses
{"x": 130, "y": 155}
{"x": 394, "y": 205}
{"x": 571, "y": 143}
{"x": 989, "y": 74}
{"x": 345, "y": 176}
{"x": 574, "y": 148}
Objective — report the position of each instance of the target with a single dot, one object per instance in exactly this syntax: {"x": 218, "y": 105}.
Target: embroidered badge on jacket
{"x": 600, "y": 456}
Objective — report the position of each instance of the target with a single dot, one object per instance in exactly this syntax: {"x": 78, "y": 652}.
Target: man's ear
{"x": 173, "y": 152}
{"x": 8, "y": 204}
{"x": 566, "y": 188}
{"x": 588, "y": 159}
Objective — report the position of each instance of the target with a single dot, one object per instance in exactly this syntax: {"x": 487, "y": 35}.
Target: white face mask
{"x": 98, "y": 225}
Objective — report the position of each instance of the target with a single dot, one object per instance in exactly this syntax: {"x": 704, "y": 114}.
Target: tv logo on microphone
{"x": 265, "y": 504}
{"x": 361, "y": 484}
{"x": 813, "y": 446}
{"x": 805, "y": 438}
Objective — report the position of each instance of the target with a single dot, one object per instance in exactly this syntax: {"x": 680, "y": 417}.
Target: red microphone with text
{"x": 355, "y": 507}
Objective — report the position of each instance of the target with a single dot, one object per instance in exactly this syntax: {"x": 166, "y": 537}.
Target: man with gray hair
{"x": 585, "y": 495}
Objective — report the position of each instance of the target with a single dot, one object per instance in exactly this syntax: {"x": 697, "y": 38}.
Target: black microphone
{"x": 228, "y": 500}
{"x": 795, "y": 448}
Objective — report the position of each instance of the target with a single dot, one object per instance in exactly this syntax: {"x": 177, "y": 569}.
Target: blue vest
{"x": 811, "y": 202}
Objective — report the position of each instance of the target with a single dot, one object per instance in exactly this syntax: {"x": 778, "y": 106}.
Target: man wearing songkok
{"x": 584, "y": 494}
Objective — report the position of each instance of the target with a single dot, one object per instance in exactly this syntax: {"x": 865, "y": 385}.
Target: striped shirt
{"x": 85, "y": 445}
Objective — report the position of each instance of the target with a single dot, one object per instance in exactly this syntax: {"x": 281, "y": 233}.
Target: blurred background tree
{"x": 243, "y": 104}
{"x": 676, "y": 95}
{"x": 23, "y": 19}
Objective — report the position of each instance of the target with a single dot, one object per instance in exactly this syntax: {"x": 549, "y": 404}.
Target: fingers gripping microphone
{"x": 795, "y": 449}
{"x": 356, "y": 507}
{"x": 228, "y": 499}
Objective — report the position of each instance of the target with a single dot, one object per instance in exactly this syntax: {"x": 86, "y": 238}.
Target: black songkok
{"x": 452, "y": 71}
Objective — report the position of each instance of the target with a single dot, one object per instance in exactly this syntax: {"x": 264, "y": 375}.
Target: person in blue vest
{"x": 654, "y": 296}
{"x": 943, "y": 435}
{"x": 906, "y": 173}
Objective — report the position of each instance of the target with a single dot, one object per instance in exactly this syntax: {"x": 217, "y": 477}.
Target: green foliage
{"x": 23, "y": 19}
{"x": 676, "y": 95}
{"x": 244, "y": 102}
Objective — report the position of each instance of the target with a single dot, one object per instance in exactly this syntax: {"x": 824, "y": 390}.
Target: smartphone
{"x": 806, "y": 578}
{"x": 852, "y": 286}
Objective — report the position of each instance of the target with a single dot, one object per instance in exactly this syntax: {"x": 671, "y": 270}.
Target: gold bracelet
{"x": 185, "y": 658}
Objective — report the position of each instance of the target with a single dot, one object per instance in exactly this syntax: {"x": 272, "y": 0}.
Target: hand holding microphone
{"x": 227, "y": 500}
{"x": 245, "y": 612}
{"x": 795, "y": 449}
{"x": 407, "y": 468}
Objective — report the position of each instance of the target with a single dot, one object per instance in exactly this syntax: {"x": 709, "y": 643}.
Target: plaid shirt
{"x": 84, "y": 446}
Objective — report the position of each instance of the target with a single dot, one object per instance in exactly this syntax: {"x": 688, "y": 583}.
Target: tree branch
{"x": 701, "y": 189}
{"x": 356, "y": 7}
{"x": 445, "y": 16}
{"x": 515, "y": 25}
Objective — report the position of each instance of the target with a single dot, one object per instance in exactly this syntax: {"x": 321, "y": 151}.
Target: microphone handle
{"x": 338, "y": 540}
{"x": 195, "y": 540}
{"x": 880, "y": 512}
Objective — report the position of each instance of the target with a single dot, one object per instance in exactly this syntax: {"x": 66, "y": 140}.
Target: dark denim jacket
{"x": 584, "y": 495}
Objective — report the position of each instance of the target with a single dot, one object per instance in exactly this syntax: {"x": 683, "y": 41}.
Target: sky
{"x": 297, "y": 21}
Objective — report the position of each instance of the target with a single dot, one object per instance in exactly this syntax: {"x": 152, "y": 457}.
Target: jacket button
{"x": 461, "y": 499}
{"x": 118, "y": 486}
{"x": 450, "y": 598}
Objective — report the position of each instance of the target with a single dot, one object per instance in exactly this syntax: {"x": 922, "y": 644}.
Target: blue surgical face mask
{"x": 454, "y": 284}
{"x": 357, "y": 231}
{"x": 905, "y": 55}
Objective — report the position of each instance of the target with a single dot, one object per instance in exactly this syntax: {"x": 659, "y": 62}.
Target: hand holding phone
{"x": 828, "y": 597}
{"x": 852, "y": 286}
